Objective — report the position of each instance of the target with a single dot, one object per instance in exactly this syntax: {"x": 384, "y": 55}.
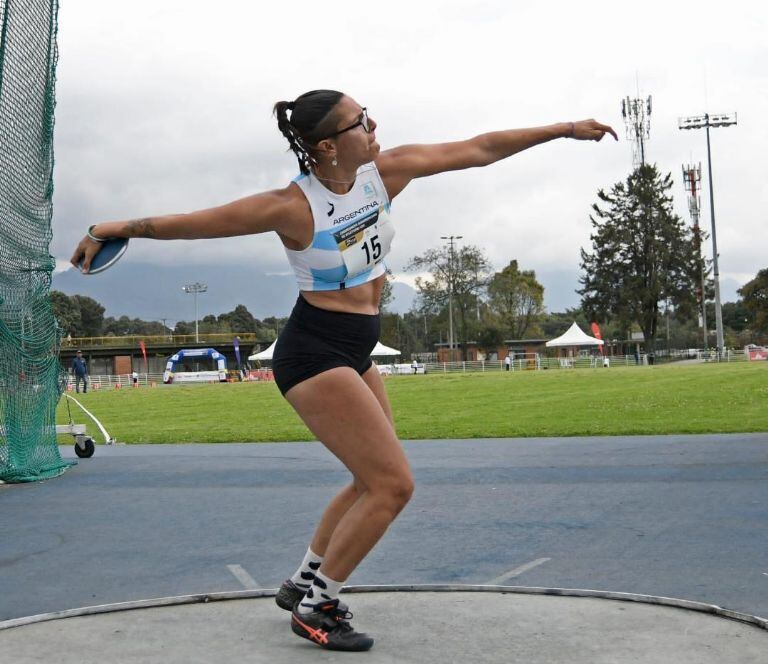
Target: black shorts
{"x": 315, "y": 340}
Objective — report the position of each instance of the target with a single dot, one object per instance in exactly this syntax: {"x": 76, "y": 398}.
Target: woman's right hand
{"x": 591, "y": 130}
{"x": 85, "y": 251}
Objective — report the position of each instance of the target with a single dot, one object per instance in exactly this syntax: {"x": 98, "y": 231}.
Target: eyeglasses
{"x": 361, "y": 122}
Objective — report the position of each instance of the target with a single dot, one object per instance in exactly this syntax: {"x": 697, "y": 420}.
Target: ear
{"x": 326, "y": 148}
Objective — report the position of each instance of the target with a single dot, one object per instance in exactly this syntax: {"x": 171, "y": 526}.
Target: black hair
{"x": 311, "y": 121}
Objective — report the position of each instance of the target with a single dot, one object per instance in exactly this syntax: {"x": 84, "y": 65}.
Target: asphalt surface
{"x": 674, "y": 516}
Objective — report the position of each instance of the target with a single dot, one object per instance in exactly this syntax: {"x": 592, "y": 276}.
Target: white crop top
{"x": 353, "y": 233}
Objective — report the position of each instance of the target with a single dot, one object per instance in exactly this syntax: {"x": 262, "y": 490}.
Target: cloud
{"x": 166, "y": 108}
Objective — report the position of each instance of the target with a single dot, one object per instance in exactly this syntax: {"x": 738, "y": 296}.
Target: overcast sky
{"x": 165, "y": 106}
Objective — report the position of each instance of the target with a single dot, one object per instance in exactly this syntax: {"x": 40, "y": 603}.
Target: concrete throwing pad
{"x": 423, "y": 627}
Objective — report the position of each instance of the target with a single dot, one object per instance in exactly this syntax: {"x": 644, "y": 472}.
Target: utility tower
{"x": 637, "y": 118}
{"x": 450, "y": 239}
{"x": 692, "y": 178}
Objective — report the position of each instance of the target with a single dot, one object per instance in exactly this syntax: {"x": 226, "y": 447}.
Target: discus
{"x": 110, "y": 253}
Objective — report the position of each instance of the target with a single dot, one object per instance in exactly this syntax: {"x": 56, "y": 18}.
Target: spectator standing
{"x": 80, "y": 369}
{"x": 507, "y": 362}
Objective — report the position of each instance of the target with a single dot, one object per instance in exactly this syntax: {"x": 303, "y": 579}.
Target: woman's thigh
{"x": 342, "y": 410}
{"x": 373, "y": 380}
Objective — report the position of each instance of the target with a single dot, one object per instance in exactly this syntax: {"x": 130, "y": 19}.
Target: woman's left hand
{"x": 591, "y": 130}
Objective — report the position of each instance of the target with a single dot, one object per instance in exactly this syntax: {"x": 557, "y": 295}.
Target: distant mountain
{"x": 402, "y": 298}
{"x": 154, "y": 292}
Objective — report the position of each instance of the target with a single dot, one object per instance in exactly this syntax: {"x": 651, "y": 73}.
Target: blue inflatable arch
{"x": 210, "y": 353}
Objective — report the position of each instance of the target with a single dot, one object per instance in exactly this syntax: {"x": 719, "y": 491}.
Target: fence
{"x": 530, "y": 362}
{"x": 109, "y": 382}
{"x": 534, "y": 362}
{"x": 112, "y": 382}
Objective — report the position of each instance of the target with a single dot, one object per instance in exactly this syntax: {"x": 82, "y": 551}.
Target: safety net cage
{"x": 29, "y": 335}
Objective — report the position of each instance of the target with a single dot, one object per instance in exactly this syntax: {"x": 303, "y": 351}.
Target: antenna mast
{"x": 637, "y": 118}
{"x": 692, "y": 179}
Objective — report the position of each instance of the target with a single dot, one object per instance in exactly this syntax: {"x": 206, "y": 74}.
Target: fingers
{"x": 84, "y": 253}
{"x": 592, "y": 130}
{"x": 606, "y": 129}
{"x": 77, "y": 256}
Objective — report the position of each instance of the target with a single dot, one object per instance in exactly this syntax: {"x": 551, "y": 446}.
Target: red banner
{"x": 596, "y": 335}
{"x": 757, "y": 354}
{"x": 144, "y": 353}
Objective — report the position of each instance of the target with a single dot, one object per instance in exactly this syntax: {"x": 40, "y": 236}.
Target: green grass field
{"x": 649, "y": 400}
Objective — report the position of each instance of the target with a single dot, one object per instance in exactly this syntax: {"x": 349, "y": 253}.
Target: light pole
{"x": 706, "y": 121}
{"x": 195, "y": 289}
{"x": 450, "y": 239}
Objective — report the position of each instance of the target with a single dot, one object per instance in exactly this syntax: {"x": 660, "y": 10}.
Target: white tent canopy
{"x": 263, "y": 355}
{"x": 574, "y": 337}
{"x": 378, "y": 351}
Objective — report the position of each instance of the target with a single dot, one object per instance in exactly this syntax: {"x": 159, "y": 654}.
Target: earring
{"x": 334, "y": 162}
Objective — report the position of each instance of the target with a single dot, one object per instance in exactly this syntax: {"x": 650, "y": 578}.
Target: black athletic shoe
{"x": 328, "y": 626}
{"x": 288, "y": 595}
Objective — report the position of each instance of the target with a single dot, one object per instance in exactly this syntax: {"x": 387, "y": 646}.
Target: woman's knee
{"x": 405, "y": 490}
{"x": 396, "y": 492}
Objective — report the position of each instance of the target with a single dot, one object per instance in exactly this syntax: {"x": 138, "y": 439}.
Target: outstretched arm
{"x": 268, "y": 211}
{"x": 402, "y": 164}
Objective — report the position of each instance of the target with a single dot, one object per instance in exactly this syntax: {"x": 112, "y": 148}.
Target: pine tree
{"x": 642, "y": 255}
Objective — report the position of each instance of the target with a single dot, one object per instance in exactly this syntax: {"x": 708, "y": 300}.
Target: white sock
{"x": 306, "y": 573}
{"x": 323, "y": 589}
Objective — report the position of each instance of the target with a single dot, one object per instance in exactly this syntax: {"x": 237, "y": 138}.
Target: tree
{"x": 755, "y": 294}
{"x": 465, "y": 273}
{"x": 91, "y": 316}
{"x": 67, "y": 313}
{"x": 386, "y": 292}
{"x": 490, "y": 336}
{"x": 209, "y": 324}
{"x": 133, "y": 326}
{"x": 556, "y": 323}
{"x": 239, "y": 319}
{"x": 642, "y": 255}
{"x": 736, "y": 316}
{"x": 517, "y": 299}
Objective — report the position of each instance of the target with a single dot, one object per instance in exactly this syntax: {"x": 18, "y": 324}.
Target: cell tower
{"x": 637, "y": 117}
{"x": 691, "y": 179}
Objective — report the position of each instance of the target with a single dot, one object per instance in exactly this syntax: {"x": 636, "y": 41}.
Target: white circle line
{"x": 202, "y": 598}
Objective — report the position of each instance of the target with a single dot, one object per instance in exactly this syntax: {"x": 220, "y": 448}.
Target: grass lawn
{"x": 701, "y": 398}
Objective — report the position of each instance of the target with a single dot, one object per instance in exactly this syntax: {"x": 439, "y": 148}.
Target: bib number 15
{"x": 372, "y": 249}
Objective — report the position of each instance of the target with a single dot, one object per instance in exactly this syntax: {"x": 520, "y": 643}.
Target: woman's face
{"x": 354, "y": 145}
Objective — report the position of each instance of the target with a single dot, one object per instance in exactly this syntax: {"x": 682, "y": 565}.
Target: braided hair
{"x": 311, "y": 121}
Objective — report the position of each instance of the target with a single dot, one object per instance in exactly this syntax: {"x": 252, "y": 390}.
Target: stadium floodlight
{"x": 195, "y": 288}
{"x": 705, "y": 122}
{"x": 693, "y": 122}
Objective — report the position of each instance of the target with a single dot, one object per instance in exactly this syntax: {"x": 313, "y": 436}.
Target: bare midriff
{"x": 363, "y": 299}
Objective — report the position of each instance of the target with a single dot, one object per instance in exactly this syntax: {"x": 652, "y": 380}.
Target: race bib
{"x": 364, "y": 243}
